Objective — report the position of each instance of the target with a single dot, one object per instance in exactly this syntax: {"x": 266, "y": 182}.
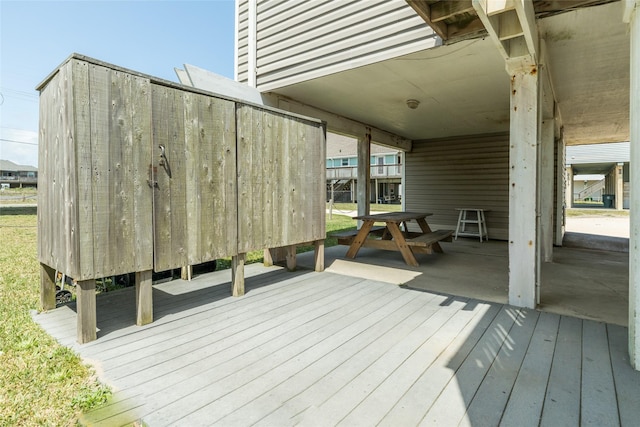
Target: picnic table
{"x": 392, "y": 237}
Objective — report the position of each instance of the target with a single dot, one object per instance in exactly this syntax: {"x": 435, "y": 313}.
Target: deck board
{"x": 324, "y": 377}
{"x": 562, "y": 401}
{"x": 626, "y": 379}
{"x": 490, "y": 399}
{"x": 599, "y": 403}
{"x": 314, "y": 348}
{"x": 527, "y": 395}
{"x": 286, "y": 360}
{"x": 451, "y": 405}
{"x": 411, "y": 408}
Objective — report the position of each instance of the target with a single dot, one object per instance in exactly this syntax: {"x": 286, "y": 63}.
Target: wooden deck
{"x": 324, "y": 349}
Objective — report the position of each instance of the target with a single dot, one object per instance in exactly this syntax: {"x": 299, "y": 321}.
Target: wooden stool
{"x": 479, "y": 220}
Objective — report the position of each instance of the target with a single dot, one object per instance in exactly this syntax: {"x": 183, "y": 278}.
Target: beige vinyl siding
{"x": 242, "y": 35}
{"x": 301, "y": 40}
{"x": 462, "y": 172}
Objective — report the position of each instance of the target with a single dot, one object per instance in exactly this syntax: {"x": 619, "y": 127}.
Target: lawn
{"x": 374, "y": 207}
{"x": 42, "y": 382}
{"x": 577, "y": 212}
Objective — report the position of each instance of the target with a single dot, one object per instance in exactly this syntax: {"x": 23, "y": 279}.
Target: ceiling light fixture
{"x": 413, "y": 103}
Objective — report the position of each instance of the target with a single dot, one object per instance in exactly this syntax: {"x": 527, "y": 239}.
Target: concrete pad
{"x": 602, "y": 225}
{"x": 594, "y": 241}
{"x": 586, "y": 283}
{"x": 396, "y": 276}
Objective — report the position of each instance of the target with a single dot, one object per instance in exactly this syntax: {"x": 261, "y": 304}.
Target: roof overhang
{"x": 463, "y": 89}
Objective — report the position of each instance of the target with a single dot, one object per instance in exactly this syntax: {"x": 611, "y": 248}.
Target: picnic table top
{"x": 393, "y": 216}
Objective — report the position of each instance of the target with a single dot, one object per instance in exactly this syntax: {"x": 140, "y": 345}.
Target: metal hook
{"x": 164, "y": 162}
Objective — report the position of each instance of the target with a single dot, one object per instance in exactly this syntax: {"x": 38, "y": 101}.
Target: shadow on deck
{"x": 326, "y": 349}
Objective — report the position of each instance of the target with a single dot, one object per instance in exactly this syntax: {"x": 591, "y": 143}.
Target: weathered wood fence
{"x": 138, "y": 174}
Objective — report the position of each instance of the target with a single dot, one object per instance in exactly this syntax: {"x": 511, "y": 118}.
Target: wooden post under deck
{"x": 86, "y": 308}
{"x": 291, "y": 257}
{"x": 47, "y": 287}
{"x": 237, "y": 275}
{"x": 319, "y": 255}
{"x": 144, "y": 297}
{"x": 186, "y": 272}
{"x": 272, "y": 256}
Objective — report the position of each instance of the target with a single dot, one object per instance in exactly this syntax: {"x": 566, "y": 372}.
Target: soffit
{"x": 463, "y": 87}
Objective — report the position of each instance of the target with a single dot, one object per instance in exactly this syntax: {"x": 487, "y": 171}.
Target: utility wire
{"x": 18, "y": 142}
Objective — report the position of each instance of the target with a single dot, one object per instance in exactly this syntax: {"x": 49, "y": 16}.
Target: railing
{"x": 377, "y": 171}
{"x": 19, "y": 179}
{"x": 589, "y": 191}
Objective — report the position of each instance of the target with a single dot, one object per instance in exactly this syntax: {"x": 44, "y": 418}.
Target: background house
{"x": 600, "y": 174}
{"x": 17, "y": 176}
{"x": 342, "y": 171}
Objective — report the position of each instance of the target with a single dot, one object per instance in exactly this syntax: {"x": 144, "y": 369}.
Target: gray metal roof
{"x": 598, "y": 153}
{"x": 9, "y": 166}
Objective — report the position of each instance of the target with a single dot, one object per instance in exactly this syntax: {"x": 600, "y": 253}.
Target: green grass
{"x": 374, "y": 207}
{"x": 18, "y": 196}
{"x": 41, "y": 382}
{"x": 577, "y": 212}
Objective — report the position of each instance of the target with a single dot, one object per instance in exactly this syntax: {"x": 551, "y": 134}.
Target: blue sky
{"x": 151, "y": 37}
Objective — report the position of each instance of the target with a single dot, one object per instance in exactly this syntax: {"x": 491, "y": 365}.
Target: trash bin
{"x": 608, "y": 200}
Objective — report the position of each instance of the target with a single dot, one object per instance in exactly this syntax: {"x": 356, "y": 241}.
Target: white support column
{"x": 568, "y": 192}
{"x": 523, "y": 140}
{"x": 364, "y": 173}
{"x": 561, "y": 188}
{"x": 546, "y": 151}
{"x": 619, "y": 187}
{"x": 545, "y": 183}
{"x": 632, "y": 16}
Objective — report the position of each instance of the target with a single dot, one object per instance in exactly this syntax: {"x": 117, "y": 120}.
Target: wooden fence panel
{"x": 82, "y": 107}
{"x": 280, "y": 183}
{"x": 194, "y": 203}
{"x": 94, "y": 209}
{"x": 137, "y": 173}
{"x": 56, "y": 222}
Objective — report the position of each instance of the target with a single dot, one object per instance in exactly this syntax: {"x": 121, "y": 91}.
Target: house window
{"x": 345, "y": 162}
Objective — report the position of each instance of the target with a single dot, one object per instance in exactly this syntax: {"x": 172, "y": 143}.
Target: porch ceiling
{"x": 592, "y": 168}
{"x": 463, "y": 87}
